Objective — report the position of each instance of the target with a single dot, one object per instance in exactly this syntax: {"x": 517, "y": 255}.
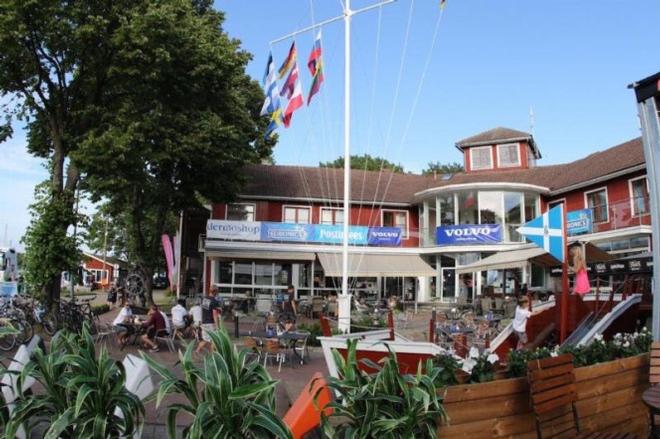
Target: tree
{"x": 365, "y": 162}
{"x": 442, "y": 168}
{"x": 180, "y": 120}
{"x": 54, "y": 58}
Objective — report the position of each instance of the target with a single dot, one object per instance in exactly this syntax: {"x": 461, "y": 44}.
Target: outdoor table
{"x": 135, "y": 331}
{"x": 651, "y": 398}
{"x": 289, "y": 339}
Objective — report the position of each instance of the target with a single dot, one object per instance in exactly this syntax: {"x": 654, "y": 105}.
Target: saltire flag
{"x": 288, "y": 62}
{"x": 315, "y": 66}
{"x": 293, "y": 92}
{"x": 547, "y": 232}
{"x": 272, "y": 102}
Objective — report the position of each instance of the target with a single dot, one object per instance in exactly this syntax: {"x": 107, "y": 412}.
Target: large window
{"x": 446, "y": 210}
{"x": 240, "y": 212}
{"x": 597, "y": 202}
{"x": 639, "y": 194}
{"x": 297, "y": 214}
{"x": 512, "y": 215}
{"x": 467, "y": 207}
{"x": 531, "y": 209}
{"x": 332, "y": 215}
{"x": 481, "y": 158}
{"x": 490, "y": 208}
{"x": 508, "y": 155}
{"x": 396, "y": 218}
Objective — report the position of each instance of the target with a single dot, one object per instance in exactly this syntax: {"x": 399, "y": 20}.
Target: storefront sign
{"x": 8, "y": 289}
{"x": 286, "y": 232}
{"x": 579, "y": 222}
{"x": 385, "y": 236}
{"x": 622, "y": 266}
{"x": 469, "y": 234}
{"x": 233, "y": 230}
{"x": 334, "y": 234}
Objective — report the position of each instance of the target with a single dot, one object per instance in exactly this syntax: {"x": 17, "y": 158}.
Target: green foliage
{"x": 385, "y": 404}
{"x": 97, "y": 310}
{"x": 483, "y": 370}
{"x": 227, "y": 396}
{"x": 314, "y": 330}
{"x": 366, "y": 163}
{"x": 598, "y": 351}
{"x": 49, "y": 250}
{"x": 82, "y": 392}
{"x": 362, "y": 322}
{"x": 443, "y": 168}
{"x": 448, "y": 366}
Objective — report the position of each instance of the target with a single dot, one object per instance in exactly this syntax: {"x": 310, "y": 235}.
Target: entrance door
{"x": 448, "y": 284}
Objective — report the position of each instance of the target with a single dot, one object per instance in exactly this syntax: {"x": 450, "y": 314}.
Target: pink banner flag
{"x": 169, "y": 258}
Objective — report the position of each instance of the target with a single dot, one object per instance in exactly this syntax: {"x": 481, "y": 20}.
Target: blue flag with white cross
{"x": 547, "y": 232}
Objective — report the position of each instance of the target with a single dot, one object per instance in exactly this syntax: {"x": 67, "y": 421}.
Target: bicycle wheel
{"x": 7, "y": 341}
{"x": 49, "y": 323}
{"x": 25, "y": 331}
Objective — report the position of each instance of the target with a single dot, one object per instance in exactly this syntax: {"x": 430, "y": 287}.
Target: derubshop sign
{"x": 469, "y": 234}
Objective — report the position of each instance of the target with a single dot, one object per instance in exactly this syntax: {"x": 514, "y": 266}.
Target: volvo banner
{"x": 287, "y": 232}
{"x": 469, "y": 234}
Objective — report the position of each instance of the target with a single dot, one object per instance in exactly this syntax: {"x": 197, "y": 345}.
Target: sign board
{"x": 469, "y": 234}
{"x": 579, "y": 222}
{"x": 288, "y": 232}
{"x": 233, "y": 230}
{"x": 8, "y": 289}
{"x": 621, "y": 266}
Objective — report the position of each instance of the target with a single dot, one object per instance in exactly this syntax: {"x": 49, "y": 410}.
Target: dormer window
{"x": 481, "y": 158}
{"x": 508, "y": 155}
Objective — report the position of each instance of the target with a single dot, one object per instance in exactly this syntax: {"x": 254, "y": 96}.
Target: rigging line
{"x": 420, "y": 85}
{"x": 396, "y": 98}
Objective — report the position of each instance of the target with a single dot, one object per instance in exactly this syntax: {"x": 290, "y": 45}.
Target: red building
{"x": 280, "y": 231}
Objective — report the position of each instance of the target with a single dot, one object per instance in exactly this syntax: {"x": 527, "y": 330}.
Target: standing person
{"x": 519, "y": 323}
{"x": 211, "y": 310}
{"x": 112, "y": 296}
{"x": 289, "y": 308}
{"x": 155, "y": 327}
{"x": 581, "y": 285}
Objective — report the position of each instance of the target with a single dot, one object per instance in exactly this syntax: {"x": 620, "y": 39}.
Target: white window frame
{"x": 254, "y": 207}
{"x": 334, "y": 217}
{"x": 490, "y": 155}
{"x": 556, "y": 202}
{"x": 297, "y": 206}
{"x": 607, "y": 203}
{"x": 512, "y": 165}
{"x": 632, "y": 196}
{"x": 404, "y": 233}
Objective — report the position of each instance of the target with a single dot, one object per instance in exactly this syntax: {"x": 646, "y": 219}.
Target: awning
{"x": 365, "y": 265}
{"x": 277, "y": 256}
{"x": 511, "y": 259}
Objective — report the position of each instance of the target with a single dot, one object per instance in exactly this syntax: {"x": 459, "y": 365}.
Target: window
{"x": 446, "y": 210}
{"x": 240, "y": 212}
{"x": 467, "y": 207}
{"x": 481, "y": 158}
{"x": 512, "y": 215}
{"x": 297, "y": 214}
{"x": 396, "y": 218}
{"x": 508, "y": 155}
{"x": 639, "y": 196}
{"x": 531, "y": 211}
{"x": 597, "y": 202}
{"x": 332, "y": 215}
{"x": 538, "y": 276}
{"x": 490, "y": 208}
{"x": 553, "y": 204}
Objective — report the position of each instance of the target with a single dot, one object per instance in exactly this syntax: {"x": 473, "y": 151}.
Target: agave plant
{"x": 84, "y": 396}
{"x": 228, "y": 396}
{"x": 386, "y": 404}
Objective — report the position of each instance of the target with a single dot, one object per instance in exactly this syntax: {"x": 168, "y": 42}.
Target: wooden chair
{"x": 654, "y": 378}
{"x": 553, "y": 395}
{"x": 252, "y": 346}
{"x": 273, "y": 350}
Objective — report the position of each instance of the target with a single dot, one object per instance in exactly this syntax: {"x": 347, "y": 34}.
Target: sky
{"x": 414, "y": 96}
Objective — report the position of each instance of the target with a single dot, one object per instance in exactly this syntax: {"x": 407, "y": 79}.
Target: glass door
{"x": 448, "y": 284}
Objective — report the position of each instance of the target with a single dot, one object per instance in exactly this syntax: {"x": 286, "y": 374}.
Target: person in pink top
{"x": 581, "y": 285}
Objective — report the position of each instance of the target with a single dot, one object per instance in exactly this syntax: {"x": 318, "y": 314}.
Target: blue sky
{"x": 492, "y": 60}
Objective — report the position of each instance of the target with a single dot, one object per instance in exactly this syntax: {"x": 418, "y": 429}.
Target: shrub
{"x": 228, "y": 396}
{"x": 84, "y": 395}
{"x": 314, "y": 330}
{"x": 97, "y": 310}
{"x": 447, "y": 365}
{"x": 385, "y": 404}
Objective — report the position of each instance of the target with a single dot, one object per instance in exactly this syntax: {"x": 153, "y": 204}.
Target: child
{"x": 520, "y": 321}
{"x": 581, "y": 286}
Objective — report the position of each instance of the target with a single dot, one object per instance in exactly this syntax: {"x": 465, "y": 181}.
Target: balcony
{"x": 630, "y": 212}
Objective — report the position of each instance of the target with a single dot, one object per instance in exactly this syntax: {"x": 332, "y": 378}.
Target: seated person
{"x": 180, "y": 317}
{"x": 122, "y": 323}
{"x": 289, "y": 325}
{"x": 155, "y": 327}
{"x": 195, "y": 314}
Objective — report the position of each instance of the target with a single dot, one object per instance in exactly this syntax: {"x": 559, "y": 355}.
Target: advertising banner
{"x": 469, "y": 234}
{"x": 287, "y": 232}
{"x": 385, "y": 236}
{"x": 233, "y": 230}
{"x": 8, "y": 289}
{"x": 578, "y": 222}
{"x": 334, "y": 234}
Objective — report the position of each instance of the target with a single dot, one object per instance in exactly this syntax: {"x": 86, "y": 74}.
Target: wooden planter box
{"x": 609, "y": 399}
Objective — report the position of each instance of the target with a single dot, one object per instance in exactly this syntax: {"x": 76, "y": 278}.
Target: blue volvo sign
{"x": 287, "y": 232}
{"x": 579, "y": 222}
{"x": 469, "y": 234}
{"x": 385, "y": 236}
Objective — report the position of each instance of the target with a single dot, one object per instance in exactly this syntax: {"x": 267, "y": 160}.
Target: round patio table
{"x": 651, "y": 398}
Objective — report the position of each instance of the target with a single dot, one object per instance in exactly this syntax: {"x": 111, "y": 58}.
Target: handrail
{"x": 628, "y": 281}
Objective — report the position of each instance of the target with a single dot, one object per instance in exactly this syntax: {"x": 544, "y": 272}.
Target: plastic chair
{"x": 301, "y": 347}
{"x": 252, "y": 346}
{"x": 273, "y": 350}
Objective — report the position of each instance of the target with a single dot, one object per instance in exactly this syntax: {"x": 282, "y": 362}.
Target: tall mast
{"x": 345, "y": 320}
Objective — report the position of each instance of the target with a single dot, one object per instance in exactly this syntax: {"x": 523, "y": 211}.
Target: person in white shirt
{"x": 196, "y": 313}
{"x": 121, "y": 323}
{"x": 519, "y": 323}
{"x": 180, "y": 316}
